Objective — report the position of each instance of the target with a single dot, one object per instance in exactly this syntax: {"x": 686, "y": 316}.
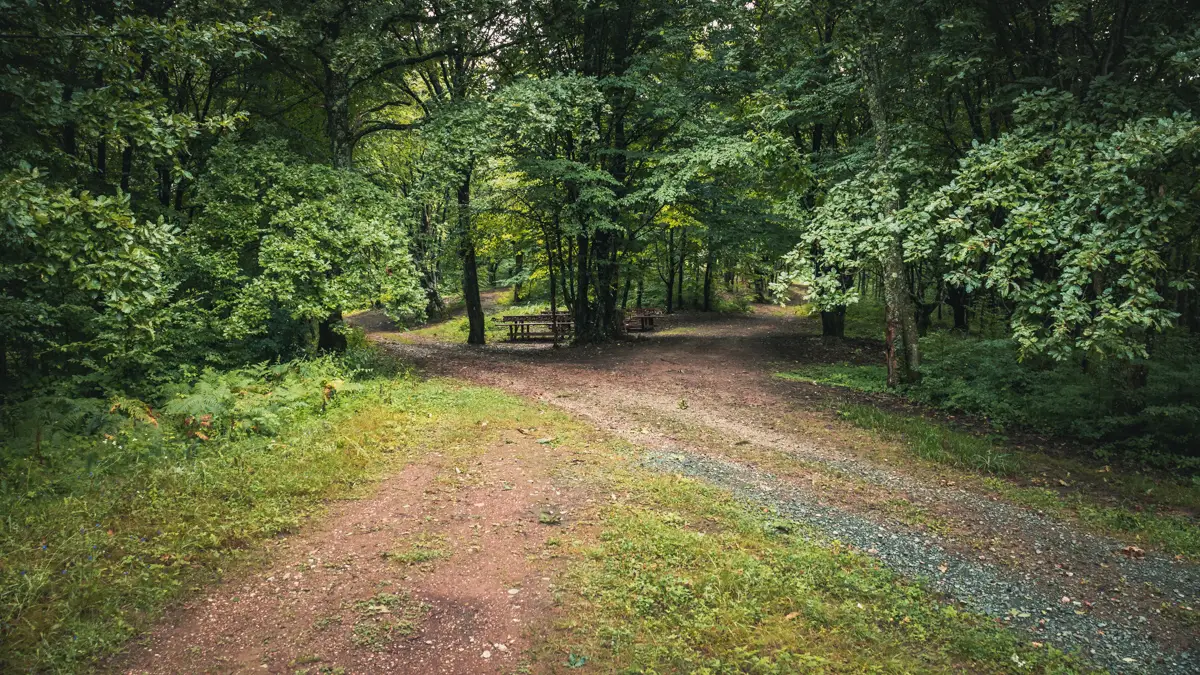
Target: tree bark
{"x": 833, "y": 322}
{"x": 708, "y": 275}
{"x": 126, "y": 167}
{"x": 670, "y": 280}
{"x": 518, "y": 269}
{"x": 337, "y": 118}
{"x": 957, "y": 298}
{"x": 900, "y": 332}
{"x": 682, "y": 259}
{"x": 466, "y": 251}
{"x": 427, "y": 261}
{"x": 903, "y": 352}
{"x": 582, "y": 284}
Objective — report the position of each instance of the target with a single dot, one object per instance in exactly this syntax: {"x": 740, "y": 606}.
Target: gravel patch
{"x": 1016, "y": 599}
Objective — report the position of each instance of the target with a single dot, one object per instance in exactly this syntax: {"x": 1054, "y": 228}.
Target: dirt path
{"x": 701, "y": 396}
{"x": 438, "y": 572}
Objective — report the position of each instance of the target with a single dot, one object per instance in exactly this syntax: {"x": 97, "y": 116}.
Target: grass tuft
{"x": 686, "y": 579}
{"x": 933, "y": 441}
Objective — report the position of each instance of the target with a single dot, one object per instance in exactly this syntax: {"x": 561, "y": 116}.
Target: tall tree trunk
{"x": 126, "y": 167}
{"x": 337, "y": 119}
{"x": 670, "y": 280}
{"x": 466, "y": 251}
{"x": 518, "y": 269}
{"x": 582, "y": 287}
{"x": 493, "y": 272}
{"x": 337, "y": 125}
{"x": 900, "y": 332}
{"x": 427, "y": 263}
{"x": 102, "y": 158}
{"x": 833, "y": 322}
{"x": 903, "y": 352}
{"x": 958, "y": 299}
{"x": 682, "y": 259}
{"x": 164, "y": 184}
{"x": 708, "y": 275}
{"x": 553, "y": 290}
{"x": 606, "y": 325}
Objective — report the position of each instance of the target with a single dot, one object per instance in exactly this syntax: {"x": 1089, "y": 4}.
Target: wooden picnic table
{"x": 561, "y": 324}
{"x": 641, "y": 319}
{"x": 526, "y": 326}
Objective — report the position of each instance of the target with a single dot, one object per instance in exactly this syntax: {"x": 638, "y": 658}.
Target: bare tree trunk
{"x": 833, "y": 322}
{"x": 519, "y": 269}
{"x": 466, "y": 251}
{"x": 903, "y": 353}
{"x": 670, "y": 280}
{"x": 708, "y": 275}
{"x": 902, "y": 350}
{"x": 682, "y": 259}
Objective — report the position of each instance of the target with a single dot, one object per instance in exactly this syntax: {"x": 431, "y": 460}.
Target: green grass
{"x": 1171, "y": 533}
{"x": 385, "y": 617}
{"x": 1148, "y": 524}
{"x": 859, "y": 377}
{"x": 933, "y": 441}
{"x": 424, "y": 549}
{"x": 90, "y": 552}
{"x": 1143, "y": 512}
{"x": 686, "y": 579}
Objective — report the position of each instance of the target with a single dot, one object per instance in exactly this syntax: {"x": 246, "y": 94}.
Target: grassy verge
{"x": 1150, "y": 524}
{"x": 933, "y": 441}
{"x": 1121, "y": 503}
{"x": 88, "y": 558}
{"x": 858, "y": 377}
{"x": 685, "y": 579}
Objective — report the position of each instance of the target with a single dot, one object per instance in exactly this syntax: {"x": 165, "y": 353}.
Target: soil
{"x": 699, "y": 397}
{"x": 322, "y": 603}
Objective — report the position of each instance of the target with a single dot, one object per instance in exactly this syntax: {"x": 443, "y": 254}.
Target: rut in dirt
{"x": 694, "y": 395}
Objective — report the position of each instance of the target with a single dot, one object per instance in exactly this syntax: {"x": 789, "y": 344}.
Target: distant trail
{"x": 700, "y": 397}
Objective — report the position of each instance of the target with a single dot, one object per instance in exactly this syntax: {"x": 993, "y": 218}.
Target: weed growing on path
{"x": 424, "y": 549}
{"x": 385, "y": 617}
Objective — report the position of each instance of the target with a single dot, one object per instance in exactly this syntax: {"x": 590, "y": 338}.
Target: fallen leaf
{"x": 1133, "y": 552}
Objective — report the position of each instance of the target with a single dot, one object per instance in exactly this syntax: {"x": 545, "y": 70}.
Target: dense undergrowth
{"x": 1147, "y": 412}
{"x": 1150, "y": 433}
{"x": 114, "y": 507}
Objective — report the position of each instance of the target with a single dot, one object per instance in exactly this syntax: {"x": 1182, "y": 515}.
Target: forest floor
{"x": 460, "y": 553}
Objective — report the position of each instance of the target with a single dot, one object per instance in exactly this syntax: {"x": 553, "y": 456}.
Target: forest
{"x": 254, "y": 257}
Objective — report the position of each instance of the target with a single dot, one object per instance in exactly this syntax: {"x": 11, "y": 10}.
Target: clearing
{"x": 667, "y": 503}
